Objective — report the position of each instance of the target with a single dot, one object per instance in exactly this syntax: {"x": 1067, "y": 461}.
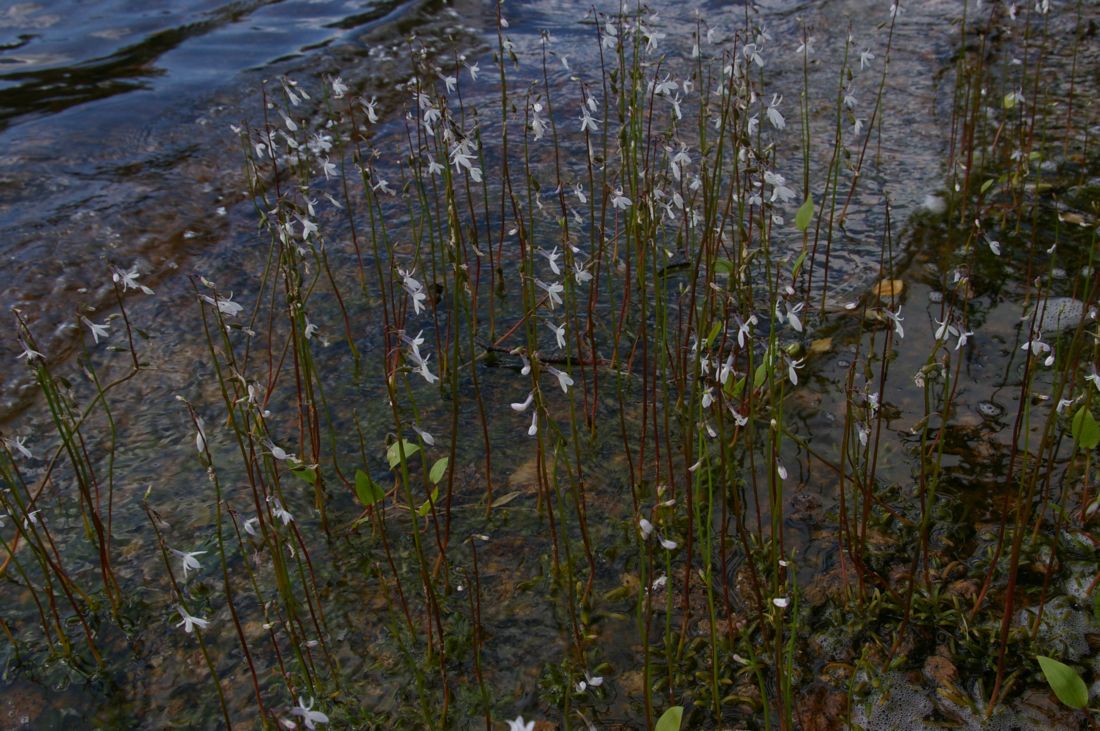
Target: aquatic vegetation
{"x": 735, "y": 482}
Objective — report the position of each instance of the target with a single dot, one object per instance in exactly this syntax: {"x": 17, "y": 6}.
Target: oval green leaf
{"x": 368, "y": 490}
{"x": 306, "y": 474}
{"x": 393, "y": 454}
{"x": 670, "y": 720}
{"x": 1086, "y": 432}
{"x": 805, "y": 214}
{"x": 1065, "y": 682}
{"x": 438, "y": 470}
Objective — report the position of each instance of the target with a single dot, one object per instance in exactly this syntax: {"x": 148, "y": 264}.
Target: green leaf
{"x": 714, "y": 330}
{"x": 426, "y": 507}
{"x": 723, "y": 266}
{"x": 1085, "y": 430}
{"x": 306, "y": 474}
{"x": 368, "y": 490}
{"x": 805, "y": 214}
{"x": 393, "y": 454}
{"x": 670, "y": 720}
{"x": 1065, "y": 682}
{"x": 760, "y": 375}
{"x": 798, "y": 263}
{"x": 987, "y": 184}
{"x": 438, "y": 470}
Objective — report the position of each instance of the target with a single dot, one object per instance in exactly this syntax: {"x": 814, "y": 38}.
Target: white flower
{"x": 128, "y": 280}
{"x": 581, "y": 274}
{"x": 250, "y": 526}
{"x": 310, "y": 330}
{"x": 994, "y": 246}
{"x": 781, "y": 602}
{"x": 667, "y": 544}
{"x": 559, "y": 333}
{"x": 279, "y": 511}
{"x": 564, "y": 379}
{"x": 774, "y": 116}
{"x": 865, "y": 58}
{"x": 646, "y": 527}
{"x": 620, "y": 201}
{"x": 190, "y": 622}
{"x": 451, "y": 83}
{"x": 1038, "y": 347}
{"x": 97, "y": 330}
{"x": 588, "y": 682}
{"x": 588, "y": 123}
{"x": 553, "y": 290}
{"x": 781, "y": 470}
{"x": 425, "y": 436}
{"x": 309, "y": 716}
{"x": 534, "y": 428}
{"x": 188, "y": 560}
{"x": 339, "y": 88}
{"x": 474, "y": 70}
{"x": 225, "y": 305}
{"x": 520, "y": 725}
{"x": 896, "y": 318}
{"x": 1094, "y": 377}
{"x": 200, "y": 435}
{"x": 17, "y": 443}
{"x": 792, "y": 373}
{"x": 552, "y": 259}
{"x": 792, "y": 316}
{"x": 526, "y": 404}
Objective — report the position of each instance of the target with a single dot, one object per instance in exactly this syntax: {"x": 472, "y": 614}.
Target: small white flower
{"x": 896, "y": 318}
{"x": 309, "y": 716}
{"x": 994, "y": 246}
{"x": 559, "y": 333}
{"x": 279, "y": 511}
{"x": 188, "y": 561}
{"x": 520, "y": 725}
{"x": 774, "y": 115}
{"x": 553, "y": 291}
{"x": 128, "y": 280}
{"x": 250, "y": 526}
{"x": 645, "y": 527}
{"x": 18, "y": 444}
{"x": 189, "y": 621}
{"x": 425, "y": 436}
{"x": 865, "y": 58}
{"x": 620, "y": 201}
{"x": 781, "y": 602}
{"x": 534, "y": 428}
{"x": 781, "y": 470}
{"x": 339, "y": 88}
{"x": 667, "y": 544}
{"x": 564, "y": 380}
{"x": 98, "y": 331}
{"x": 526, "y": 404}
{"x": 225, "y": 305}
{"x": 588, "y": 123}
{"x": 200, "y": 435}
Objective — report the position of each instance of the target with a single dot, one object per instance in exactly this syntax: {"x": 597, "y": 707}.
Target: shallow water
{"x": 118, "y": 150}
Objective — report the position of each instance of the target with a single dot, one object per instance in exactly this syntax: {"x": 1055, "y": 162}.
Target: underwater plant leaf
{"x": 369, "y": 491}
{"x": 1086, "y": 432}
{"x": 1065, "y": 682}
{"x": 438, "y": 470}
{"x": 670, "y": 720}
{"x": 393, "y": 454}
